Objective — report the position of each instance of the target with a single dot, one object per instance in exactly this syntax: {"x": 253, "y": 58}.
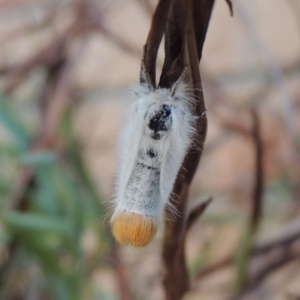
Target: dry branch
{"x": 88, "y": 19}
{"x": 256, "y": 213}
{"x": 256, "y": 278}
{"x": 118, "y": 266}
{"x": 244, "y": 249}
{"x": 47, "y": 57}
{"x": 185, "y": 31}
{"x": 283, "y": 237}
{"x": 195, "y": 213}
{"x": 91, "y": 16}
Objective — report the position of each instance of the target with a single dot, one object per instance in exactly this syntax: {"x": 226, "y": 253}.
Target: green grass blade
{"x": 13, "y": 125}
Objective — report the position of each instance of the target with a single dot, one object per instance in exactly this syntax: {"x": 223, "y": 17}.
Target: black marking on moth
{"x": 156, "y": 136}
{"x": 148, "y": 167}
{"x": 160, "y": 121}
{"x": 151, "y": 153}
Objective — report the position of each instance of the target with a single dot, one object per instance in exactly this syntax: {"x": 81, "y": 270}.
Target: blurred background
{"x": 65, "y": 67}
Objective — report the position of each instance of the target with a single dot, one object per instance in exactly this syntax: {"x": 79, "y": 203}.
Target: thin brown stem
{"x": 118, "y": 266}
{"x": 183, "y": 48}
{"x": 257, "y": 277}
{"x": 283, "y": 237}
{"x": 259, "y": 183}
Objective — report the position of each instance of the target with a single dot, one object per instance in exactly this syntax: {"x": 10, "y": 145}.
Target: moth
{"x": 158, "y": 133}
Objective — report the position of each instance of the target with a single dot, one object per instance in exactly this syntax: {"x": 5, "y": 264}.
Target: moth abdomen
{"x": 138, "y": 209}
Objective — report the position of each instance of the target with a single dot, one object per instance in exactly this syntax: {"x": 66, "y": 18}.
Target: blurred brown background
{"x": 249, "y": 60}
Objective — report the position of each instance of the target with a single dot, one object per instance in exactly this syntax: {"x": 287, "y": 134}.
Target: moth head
{"x": 159, "y": 120}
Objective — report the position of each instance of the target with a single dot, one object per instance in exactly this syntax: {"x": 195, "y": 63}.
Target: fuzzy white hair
{"x": 158, "y": 133}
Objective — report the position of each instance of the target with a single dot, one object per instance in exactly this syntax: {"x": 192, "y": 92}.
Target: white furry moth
{"x": 154, "y": 143}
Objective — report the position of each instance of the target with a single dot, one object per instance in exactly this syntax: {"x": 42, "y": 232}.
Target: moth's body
{"x": 142, "y": 192}
{"x": 154, "y": 143}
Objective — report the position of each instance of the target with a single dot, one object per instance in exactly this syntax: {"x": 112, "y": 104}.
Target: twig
{"x": 259, "y": 174}
{"x": 37, "y": 25}
{"x": 281, "y": 238}
{"x": 257, "y": 277}
{"x": 120, "y": 274}
{"x": 60, "y": 97}
{"x": 185, "y": 35}
{"x": 195, "y": 213}
{"x": 88, "y": 18}
{"x": 273, "y": 71}
{"x": 18, "y": 202}
{"x": 230, "y": 6}
{"x": 231, "y": 124}
{"x": 47, "y": 57}
{"x": 158, "y": 25}
{"x": 89, "y": 13}
{"x": 244, "y": 249}
{"x": 7, "y": 265}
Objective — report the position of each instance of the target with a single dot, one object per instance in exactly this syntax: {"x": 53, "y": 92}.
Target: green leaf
{"x": 5, "y": 186}
{"x": 4, "y": 237}
{"x": 243, "y": 255}
{"x": 13, "y": 125}
{"x": 62, "y": 289}
{"x": 36, "y": 222}
{"x": 102, "y": 295}
{"x": 38, "y": 158}
{"x": 35, "y": 244}
{"x": 9, "y": 150}
{"x": 45, "y": 197}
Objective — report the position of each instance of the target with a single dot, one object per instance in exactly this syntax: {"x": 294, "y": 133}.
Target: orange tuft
{"x": 134, "y": 229}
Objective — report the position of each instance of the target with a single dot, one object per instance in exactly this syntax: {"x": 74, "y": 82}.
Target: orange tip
{"x": 134, "y": 229}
